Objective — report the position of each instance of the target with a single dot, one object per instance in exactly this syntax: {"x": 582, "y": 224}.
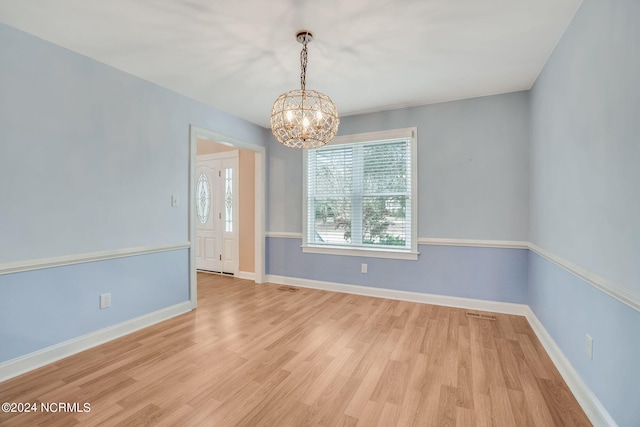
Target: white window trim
{"x": 361, "y": 252}
{"x": 412, "y": 253}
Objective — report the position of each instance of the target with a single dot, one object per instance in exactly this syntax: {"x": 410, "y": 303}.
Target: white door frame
{"x": 260, "y": 161}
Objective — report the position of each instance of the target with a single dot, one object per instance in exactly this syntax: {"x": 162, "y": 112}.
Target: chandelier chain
{"x": 303, "y": 64}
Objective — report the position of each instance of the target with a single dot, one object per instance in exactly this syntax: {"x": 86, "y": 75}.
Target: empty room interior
{"x": 287, "y": 213}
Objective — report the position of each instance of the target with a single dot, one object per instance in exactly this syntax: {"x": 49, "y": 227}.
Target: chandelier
{"x": 304, "y": 118}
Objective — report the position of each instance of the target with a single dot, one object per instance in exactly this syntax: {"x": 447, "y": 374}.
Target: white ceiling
{"x": 367, "y": 55}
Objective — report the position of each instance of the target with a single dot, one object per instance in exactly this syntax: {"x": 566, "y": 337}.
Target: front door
{"x": 216, "y": 212}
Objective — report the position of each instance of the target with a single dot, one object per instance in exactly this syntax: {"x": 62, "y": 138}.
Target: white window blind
{"x": 360, "y": 195}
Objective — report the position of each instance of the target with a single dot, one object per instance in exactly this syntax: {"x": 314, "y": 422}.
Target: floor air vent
{"x": 288, "y": 289}
{"x": 481, "y": 316}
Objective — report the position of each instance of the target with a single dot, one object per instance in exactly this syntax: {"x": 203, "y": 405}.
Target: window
{"x": 360, "y": 195}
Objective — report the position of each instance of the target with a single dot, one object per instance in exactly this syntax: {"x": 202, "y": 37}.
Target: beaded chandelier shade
{"x": 304, "y": 118}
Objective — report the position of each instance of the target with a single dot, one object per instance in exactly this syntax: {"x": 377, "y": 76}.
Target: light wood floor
{"x": 252, "y": 355}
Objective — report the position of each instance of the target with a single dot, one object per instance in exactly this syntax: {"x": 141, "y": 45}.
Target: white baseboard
{"x": 458, "y": 302}
{"x": 20, "y": 365}
{"x": 246, "y": 275}
{"x": 593, "y": 408}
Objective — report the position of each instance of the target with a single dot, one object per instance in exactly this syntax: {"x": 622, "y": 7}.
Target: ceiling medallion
{"x": 304, "y": 118}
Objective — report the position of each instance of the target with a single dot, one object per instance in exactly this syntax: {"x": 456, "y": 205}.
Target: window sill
{"x": 361, "y": 252}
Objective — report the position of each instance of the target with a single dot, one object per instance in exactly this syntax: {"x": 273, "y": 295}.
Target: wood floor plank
{"x": 519, "y": 408}
{"x": 508, "y": 364}
{"x": 447, "y": 406}
{"x": 558, "y": 398}
{"x": 502, "y": 414}
{"x": 464, "y": 370}
{"x": 482, "y": 410}
{"x": 427, "y": 409}
{"x": 322, "y": 381}
{"x": 389, "y": 415}
{"x": 465, "y": 418}
{"x": 370, "y": 414}
{"x": 252, "y": 355}
{"x": 409, "y": 408}
{"x": 536, "y": 406}
{"x": 533, "y": 357}
{"x": 391, "y": 386}
{"x": 479, "y": 373}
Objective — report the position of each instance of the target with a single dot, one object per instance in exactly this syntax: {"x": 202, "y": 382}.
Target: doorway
{"x": 216, "y": 243}
{"x": 258, "y": 159}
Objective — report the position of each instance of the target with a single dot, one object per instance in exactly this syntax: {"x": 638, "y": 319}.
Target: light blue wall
{"x": 41, "y": 308}
{"x": 284, "y": 188}
{"x": 493, "y": 274}
{"x": 89, "y": 155}
{"x": 473, "y": 161}
{"x": 585, "y": 197}
{"x": 89, "y": 159}
{"x": 473, "y": 164}
{"x": 473, "y": 183}
{"x": 585, "y": 132}
{"x": 569, "y": 308}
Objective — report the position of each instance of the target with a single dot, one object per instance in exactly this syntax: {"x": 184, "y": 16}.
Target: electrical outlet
{"x": 363, "y": 268}
{"x": 588, "y": 346}
{"x": 105, "y": 300}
